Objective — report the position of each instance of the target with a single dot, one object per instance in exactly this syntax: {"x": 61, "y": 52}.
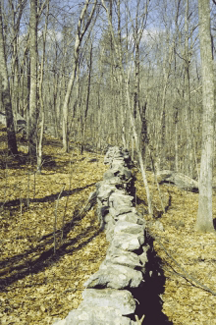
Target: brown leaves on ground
{"x": 37, "y": 287}
{"x": 188, "y": 257}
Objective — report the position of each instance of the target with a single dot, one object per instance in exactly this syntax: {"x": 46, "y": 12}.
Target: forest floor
{"x": 38, "y": 286}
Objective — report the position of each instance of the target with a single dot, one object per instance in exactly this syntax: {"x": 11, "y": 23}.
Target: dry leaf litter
{"x": 38, "y": 286}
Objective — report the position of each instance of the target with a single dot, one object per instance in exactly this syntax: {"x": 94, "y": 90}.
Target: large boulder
{"x": 180, "y": 180}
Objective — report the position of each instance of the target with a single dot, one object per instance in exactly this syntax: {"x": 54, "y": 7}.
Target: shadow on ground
{"x": 214, "y": 223}
{"x": 149, "y": 294}
{"x": 22, "y": 265}
{"x": 48, "y": 198}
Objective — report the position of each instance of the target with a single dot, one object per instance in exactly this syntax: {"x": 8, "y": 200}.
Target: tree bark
{"x": 40, "y": 142}
{"x": 32, "y": 118}
{"x": 16, "y": 12}
{"x": 204, "y": 221}
{"x": 11, "y": 136}
{"x": 189, "y": 166}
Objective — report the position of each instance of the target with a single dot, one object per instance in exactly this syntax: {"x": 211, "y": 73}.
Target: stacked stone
{"x": 108, "y": 297}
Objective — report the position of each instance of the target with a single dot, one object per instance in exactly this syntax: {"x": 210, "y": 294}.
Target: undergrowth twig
{"x": 55, "y": 219}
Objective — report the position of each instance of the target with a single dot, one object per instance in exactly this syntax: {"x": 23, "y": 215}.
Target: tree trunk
{"x": 32, "y": 118}
{"x": 16, "y": 10}
{"x": 189, "y": 166}
{"x": 83, "y": 119}
{"x": 204, "y": 221}
{"x": 40, "y": 142}
{"x": 11, "y": 136}
{"x": 81, "y": 30}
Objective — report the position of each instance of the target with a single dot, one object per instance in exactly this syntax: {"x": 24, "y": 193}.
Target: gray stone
{"x": 108, "y": 219}
{"x": 95, "y": 316}
{"x": 109, "y": 228}
{"x": 144, "y": 257}
{"x": 133, "y": 218}
{"x": 104, "y": 191}
{"x": 180, "y": 180}
{"x": 121, "y": 170}
{"x": 118, "y": 299}
{"x": 109, "y": 174}
{"x": 116, "y": 181}
{"x": 121, "y": 210}
{"x": 127, "y": 258}
{"x": 115, "y": 277}
{"x": 118, "y": 199}
{"x": 118, "y": 170}
{"x": 128, "y": 227}
{"x": 118, "y": 162}
{"x": 112, "y": 153}
{"x": 128, "y": 242}
{"x": 103, "y": 215}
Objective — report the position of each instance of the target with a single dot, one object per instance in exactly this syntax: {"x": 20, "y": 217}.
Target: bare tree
{"x": 83, "y": 24}
{"x": 16, "y": 10}
{"x": 204, "y": 221}
{"x": 11, "y": 136}
{"x": 40, "y": 141}
{"x": 33, "y": 109}
{"x": 36, "y": 9}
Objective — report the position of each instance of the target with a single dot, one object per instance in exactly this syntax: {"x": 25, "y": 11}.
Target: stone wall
{"x": 112, "y": 294}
